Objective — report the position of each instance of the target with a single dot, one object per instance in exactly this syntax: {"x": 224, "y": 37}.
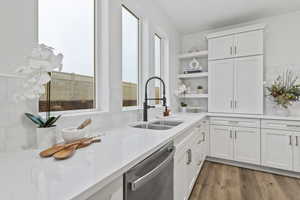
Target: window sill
{"x": 75, "y": 113}
{"x": 131, "y": 108}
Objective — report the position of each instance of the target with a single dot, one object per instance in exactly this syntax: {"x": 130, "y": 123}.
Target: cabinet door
{"x": 220, "y": 86}
{"x": 249, "y": 43}
{"x": 221, "y": 142}
{"x": 247, "y": 145}
{"x": 296, "y": 143}
{"x": 277, "y": 149}
{"x": 113, "y": 191}
{"x": 180, "y": 177}
{"x": 248, "y": 85}
{"x": 220, "y": 48}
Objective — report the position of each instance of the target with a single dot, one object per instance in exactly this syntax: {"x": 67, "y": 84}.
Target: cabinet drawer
{"x": 282, "y": 125}
{"x": 252, "y": 123}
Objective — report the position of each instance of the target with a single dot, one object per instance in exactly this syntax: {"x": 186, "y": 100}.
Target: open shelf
{"x": 194, "y": 75}
{"x": 200, "y": 54}
{"x": 194, "y": 96}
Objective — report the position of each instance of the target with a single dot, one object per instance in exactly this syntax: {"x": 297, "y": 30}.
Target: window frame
{"x": 156, "y": 35}
{"x": 139, "y": 78}
{"x": 97, "y": 72}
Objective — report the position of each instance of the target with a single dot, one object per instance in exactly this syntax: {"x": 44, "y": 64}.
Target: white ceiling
{"x": 196, "y": 15}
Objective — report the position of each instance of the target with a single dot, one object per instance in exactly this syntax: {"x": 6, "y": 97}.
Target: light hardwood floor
{"x": 223, "y": 182}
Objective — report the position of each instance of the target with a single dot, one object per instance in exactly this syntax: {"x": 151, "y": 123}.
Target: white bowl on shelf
{"x": 72, "y": 134}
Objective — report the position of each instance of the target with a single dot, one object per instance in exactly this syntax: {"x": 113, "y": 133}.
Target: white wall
{"x": 282, "y": 42}
{"x": 18, "y": 36}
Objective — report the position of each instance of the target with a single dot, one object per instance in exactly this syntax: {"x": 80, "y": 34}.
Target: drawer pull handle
{"x": 297, "y": 142}
{"x": 291, "y": 140}
{"x": 189, "y": 152}
{"x": 204, "y": 136}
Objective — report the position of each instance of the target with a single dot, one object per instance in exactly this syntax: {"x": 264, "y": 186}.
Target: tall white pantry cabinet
{"x": 235, "y": 66}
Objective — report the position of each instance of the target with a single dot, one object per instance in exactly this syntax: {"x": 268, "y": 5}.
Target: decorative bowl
{"x": 72, "y": 134}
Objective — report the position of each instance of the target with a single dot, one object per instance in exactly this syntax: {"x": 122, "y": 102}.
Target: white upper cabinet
{"x": 221, "y": 48}
{"x": 248, "y": 87}
{"x": 220, "y": 85}
{"x": 277, "y": 149}
{"x": 245, "y": 41}
{"x": 247, "y": 145}
{"x": 236, "y": 71}
{"x": 249, "y": 43}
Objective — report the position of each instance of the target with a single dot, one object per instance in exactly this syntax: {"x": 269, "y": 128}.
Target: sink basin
{"x": 153, "y": 127}
{"x": 167, "y": 123}
{"x": 158, "y": 125}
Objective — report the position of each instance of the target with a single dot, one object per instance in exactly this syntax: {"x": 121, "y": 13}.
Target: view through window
{"x": 130, "y": 58}
{"x": 69, "y": 27}
{"x": 157, "y": 63}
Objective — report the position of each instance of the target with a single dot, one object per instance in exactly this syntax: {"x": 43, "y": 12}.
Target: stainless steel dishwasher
{"x": 152, "y": 179}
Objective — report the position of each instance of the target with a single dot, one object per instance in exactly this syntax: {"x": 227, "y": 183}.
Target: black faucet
{"x": 164, "y": 99}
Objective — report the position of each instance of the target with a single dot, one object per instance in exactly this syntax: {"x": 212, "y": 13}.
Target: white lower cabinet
{"x": 113, "y": 191}
{"x": 277, "y": 149}
{"x": 247, "y": 145}
{"x": 180, "y": 180}
{"x": 221, "y": 143}
{"x": 296, "y": 151}
{"x": 189, "y": 157}
{"x": 235, "y": 143}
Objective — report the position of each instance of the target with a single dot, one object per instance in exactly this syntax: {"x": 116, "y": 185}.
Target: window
{"x": 69, "y": 27}
{"x": 157, "y": 65}
{"x": 130, "y": 58}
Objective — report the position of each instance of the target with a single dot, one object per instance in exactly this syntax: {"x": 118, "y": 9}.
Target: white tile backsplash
{"x": 16, "y": 132}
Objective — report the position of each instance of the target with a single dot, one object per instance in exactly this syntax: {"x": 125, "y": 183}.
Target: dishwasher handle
{"x": 136, "y": 184}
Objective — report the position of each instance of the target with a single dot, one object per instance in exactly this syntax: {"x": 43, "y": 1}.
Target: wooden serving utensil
{"x": 49, "y": 152}
{"x": 59, "y": 147}
{"x": 70, "y": 150}
{"x": 85, "y": 124}
{"x": 88, "y": 142}
{"x": 66, "y": 153}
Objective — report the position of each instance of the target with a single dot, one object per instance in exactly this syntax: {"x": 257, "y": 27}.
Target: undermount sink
{"x": 158, "y": 125}
{"x": 167, "y": 123}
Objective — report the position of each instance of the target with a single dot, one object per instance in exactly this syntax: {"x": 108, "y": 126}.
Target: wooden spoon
{"x": 85, "y": 124}
{"x": 70, "y": 150}
{"x": 66, "y": 153}
{"x": 88, "y": 142}
{"x": 49, "y": 152}
{"x": 56, "y": 148}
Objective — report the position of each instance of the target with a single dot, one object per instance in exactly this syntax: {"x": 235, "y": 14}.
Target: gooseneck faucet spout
{"x": 163, "y": 99}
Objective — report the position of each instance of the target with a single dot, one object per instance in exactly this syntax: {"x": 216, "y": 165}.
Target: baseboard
{"x": 255, "y": 167}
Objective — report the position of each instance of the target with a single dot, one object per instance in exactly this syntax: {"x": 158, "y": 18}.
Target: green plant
{"x": 42, "y": 123}
{"x": 183, "y": 104}
{"x": 200, "y": 87}
{"x": 284, "y": 89}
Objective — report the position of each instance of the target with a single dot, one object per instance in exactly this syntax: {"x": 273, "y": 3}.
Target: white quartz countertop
{"x": 26, "y": 176}
{"x": 266, "y": 117}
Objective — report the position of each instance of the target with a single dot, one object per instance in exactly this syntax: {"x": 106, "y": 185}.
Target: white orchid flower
{"x": 42, "y": 61}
